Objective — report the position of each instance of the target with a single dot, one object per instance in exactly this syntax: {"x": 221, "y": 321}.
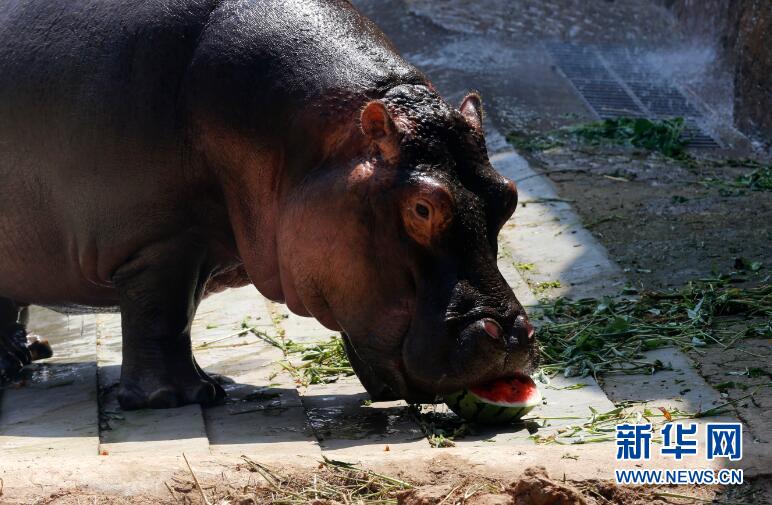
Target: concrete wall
{"x": 751, "y": 32}
{"x": 742, "y": 31}
{"x": 702, "y": 18}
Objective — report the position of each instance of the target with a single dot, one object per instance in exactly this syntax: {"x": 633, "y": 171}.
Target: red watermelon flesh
{"x": 517, "y": 391}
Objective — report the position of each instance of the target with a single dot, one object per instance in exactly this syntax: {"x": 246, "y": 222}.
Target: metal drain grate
{"x": 618, "y": 82}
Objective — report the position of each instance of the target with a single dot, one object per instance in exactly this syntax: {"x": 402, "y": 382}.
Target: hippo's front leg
{"x": 159, "y": 289}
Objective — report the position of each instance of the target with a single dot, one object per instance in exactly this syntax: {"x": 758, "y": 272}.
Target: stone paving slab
{"x": 507, "y": 266}
{"x": 346, "y": 426}
{"x": 263, "y": 414}
{"x": 39, "y": 420}
{"x": 274, "y": 434}
{"x": 56, "y": 409}
{"x": 169, "y": 431}
{"x": 547, "y": 232}
{"x": 161, "y": 433}
{"x": 302, "y": 330}
{"x": 679, "y": 386}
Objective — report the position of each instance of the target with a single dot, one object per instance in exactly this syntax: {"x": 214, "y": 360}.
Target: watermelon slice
{"x": 498, "y": 402}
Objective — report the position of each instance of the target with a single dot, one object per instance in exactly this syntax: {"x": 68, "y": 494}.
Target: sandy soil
{"x": 661, "y": 220}
{"x": 445, "y": 484}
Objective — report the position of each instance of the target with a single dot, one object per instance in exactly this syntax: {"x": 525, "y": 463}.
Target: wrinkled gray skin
{"x": 153, "y": 152}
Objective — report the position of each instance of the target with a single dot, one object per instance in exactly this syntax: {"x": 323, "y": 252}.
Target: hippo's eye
{"x": 427, "y": 212}
{"x": 422, "y": 210}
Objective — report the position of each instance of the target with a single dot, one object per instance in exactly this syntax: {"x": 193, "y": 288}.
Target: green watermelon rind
{"x": 533, "y": 401}
{"x": 473, "y": 408}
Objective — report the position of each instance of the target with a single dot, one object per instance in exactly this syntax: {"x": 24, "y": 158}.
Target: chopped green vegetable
{"x": 597, "y": 336}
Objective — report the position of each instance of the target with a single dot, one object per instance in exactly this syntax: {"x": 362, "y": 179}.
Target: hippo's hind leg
{"x": 159, "y": 291}
{"x": 13, "y": 341}
{"x": 17, "y": 349}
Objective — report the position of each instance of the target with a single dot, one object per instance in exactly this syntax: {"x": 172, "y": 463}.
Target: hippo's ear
{"x": 471, "y": 109}
{"x": 378, "y": 126}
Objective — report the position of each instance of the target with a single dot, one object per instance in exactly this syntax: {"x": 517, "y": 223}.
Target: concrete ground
{"x": 63, "y": 428}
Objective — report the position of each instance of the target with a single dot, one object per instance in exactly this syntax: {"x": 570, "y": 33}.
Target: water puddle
{"x": 360, "y": 422}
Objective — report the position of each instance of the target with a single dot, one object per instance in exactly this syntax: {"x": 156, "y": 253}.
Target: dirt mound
{"x": 79, "y": 496}
{"x": 348, "y": 485}
{"x": 535, "y": 487}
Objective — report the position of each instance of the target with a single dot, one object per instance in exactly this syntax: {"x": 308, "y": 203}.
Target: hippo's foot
{"x": 14, "y": 354}
{"x": 17, "y": 349}
{"x": 172, "y": 387}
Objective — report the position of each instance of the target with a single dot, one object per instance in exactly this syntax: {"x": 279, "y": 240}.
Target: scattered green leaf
{"x": 541, "y": 287}
{"x": 597, "y": 336}
{"x": 664, "y": 136}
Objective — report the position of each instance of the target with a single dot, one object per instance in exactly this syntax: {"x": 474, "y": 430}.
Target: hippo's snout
{"x": 521, "y": 332}
{"x": 490, "y": 339}
{"x": 470, "y": 349}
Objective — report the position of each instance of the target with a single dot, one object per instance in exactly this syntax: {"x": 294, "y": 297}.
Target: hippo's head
{"x": 399, "y": 249}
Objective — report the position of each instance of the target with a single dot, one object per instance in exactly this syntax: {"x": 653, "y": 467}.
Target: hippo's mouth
{"x": 468, "y": 350}
{"x": 401, "y": 376}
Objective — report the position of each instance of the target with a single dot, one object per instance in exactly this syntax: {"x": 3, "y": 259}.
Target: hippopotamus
{"x": 154, "y": 153}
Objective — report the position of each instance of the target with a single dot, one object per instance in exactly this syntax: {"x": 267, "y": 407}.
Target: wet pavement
{"x": 505, "y": 49}
{"x": 63, "y": 427}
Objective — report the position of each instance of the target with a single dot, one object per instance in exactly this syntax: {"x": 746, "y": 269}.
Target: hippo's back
{"x": 88, "y": 127}
{"x": 81, "y": 65}
{"x": 100, "y": 80}
{"x": 95, "y": 160}
{"x": 277, "y": 58}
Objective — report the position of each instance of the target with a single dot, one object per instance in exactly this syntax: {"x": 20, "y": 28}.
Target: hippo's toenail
{"x": 163, "y": 399}
{"x": 206, "y": 393}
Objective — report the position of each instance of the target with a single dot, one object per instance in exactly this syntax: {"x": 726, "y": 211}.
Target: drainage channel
{"x": 618, "y": 82}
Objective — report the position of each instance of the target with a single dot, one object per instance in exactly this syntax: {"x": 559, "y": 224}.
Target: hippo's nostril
{"x": 512, "y": 342}
{"x": 492, "y": 328}
{"x": 521, "y": 334}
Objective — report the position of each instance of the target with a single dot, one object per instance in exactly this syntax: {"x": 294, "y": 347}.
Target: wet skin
{"x": 152, "y": 154}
